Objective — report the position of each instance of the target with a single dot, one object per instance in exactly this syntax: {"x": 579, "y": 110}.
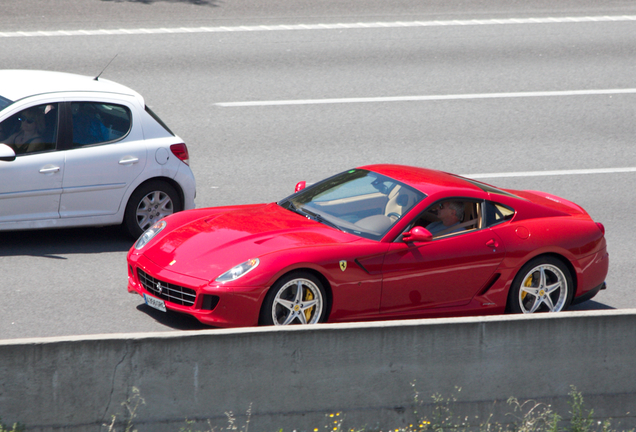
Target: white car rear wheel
{"x": 151, "y": 202}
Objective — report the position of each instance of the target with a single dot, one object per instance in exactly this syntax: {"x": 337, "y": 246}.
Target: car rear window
{"x": 497, "y": 213}
{"x": 488, "y": 188}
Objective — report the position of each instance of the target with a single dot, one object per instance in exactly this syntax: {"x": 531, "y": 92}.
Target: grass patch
{"x": 16, "y": 427}
{"x": 527, "y": 416}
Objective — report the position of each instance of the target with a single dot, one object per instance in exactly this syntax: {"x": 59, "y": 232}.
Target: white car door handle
{"x": 49, "y": 169}
{"x": 128, "y": 160}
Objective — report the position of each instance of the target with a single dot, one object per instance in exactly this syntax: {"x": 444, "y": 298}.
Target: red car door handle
{"x": 492, "y": 243}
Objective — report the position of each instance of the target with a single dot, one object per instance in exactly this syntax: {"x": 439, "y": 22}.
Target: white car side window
{"x": 97, "y": 123}
{"x": 31, "y": 130}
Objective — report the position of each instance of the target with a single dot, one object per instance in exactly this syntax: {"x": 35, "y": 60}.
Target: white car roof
{"x": 18, "y": 84}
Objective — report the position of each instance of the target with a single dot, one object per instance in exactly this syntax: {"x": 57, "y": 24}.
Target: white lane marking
{"x": 337, "y": 26}
{"x": 551, "y": 173}
{"x": 429, "y": 97}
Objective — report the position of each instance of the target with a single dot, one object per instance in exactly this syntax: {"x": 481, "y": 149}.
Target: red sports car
{"x": 373, "y": 243}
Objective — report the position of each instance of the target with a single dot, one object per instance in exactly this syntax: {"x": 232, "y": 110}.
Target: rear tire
{"x": 150, "y": 202}
{"x": 544, "y": 284}
{"x": 297, "y": 298}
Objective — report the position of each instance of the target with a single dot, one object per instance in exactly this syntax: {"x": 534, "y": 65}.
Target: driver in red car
{"x": 450, "y": 214}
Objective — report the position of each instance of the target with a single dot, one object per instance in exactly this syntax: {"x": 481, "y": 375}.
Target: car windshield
{"x": 357, "y": 201}
{"x": 4, "y": 102}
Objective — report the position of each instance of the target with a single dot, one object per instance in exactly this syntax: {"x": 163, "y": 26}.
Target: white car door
{"x": 30, "y": 187}
{"x": 31, "y": 184}
{"x": 108, "y": 154}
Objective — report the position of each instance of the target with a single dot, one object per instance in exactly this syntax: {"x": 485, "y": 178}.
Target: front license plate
{"x": 155, "y": 303}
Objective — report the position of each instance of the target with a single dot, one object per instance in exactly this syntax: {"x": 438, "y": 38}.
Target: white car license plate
{"x": 155, "y": 303}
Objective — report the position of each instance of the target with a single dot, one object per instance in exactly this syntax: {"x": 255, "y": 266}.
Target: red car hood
{"x": 208, "y": 246}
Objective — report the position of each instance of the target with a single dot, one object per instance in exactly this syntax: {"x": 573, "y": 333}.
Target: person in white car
{"x": 30, "y": 133}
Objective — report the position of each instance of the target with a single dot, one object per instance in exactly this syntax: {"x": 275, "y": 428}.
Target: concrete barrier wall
{"x": 292, "y": 378}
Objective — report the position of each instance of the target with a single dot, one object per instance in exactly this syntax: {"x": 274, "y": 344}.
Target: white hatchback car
{"x": 80, "y": 151}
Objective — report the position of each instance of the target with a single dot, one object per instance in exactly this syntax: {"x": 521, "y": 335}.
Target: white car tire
{"x": 151, "y": 202}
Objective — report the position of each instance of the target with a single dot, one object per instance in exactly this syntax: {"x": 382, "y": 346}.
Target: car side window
{"x": 98, "y": 123}
{"x": 497, "y": 213}
{"x": 450, "y": 216}
{"x": 32, "y": 130}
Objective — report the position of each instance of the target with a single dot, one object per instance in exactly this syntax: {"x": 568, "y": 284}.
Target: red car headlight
{"x": 150, "y": 233}
{"x": 238, "y": 271}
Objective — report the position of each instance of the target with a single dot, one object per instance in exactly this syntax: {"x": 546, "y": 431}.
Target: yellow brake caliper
{"x": 527, "y": 283}
{"x": 308, "y": 296}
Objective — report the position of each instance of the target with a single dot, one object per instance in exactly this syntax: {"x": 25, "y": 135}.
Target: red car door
{"x": 445, "y": 272}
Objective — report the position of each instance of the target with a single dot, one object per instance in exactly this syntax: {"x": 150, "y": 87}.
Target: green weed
{"x": 527, "y": 416}
{"x": 132, "y": 405}
{"x": 17, "y": 427}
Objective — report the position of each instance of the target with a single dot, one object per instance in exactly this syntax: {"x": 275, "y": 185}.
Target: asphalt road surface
{"x": 266, "y": 95}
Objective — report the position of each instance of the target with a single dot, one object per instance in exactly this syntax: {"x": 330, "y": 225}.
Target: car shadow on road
{"x": 54, "y": 243}
{"x": 179, "y": 321}
{"x": 174, "y": 320}
{"x": 589, "y": 306}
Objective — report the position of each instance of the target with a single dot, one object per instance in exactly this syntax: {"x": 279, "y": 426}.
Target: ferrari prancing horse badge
{"x": 343, "y": 265}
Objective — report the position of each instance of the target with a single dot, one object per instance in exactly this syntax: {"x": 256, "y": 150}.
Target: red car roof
{"x": 425, "y": 180}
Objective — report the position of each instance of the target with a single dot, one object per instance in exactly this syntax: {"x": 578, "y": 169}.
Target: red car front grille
{"x": 169, "y": 292}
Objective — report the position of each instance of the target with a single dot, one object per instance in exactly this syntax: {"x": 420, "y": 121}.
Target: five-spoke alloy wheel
{"x": 542, "y": 285}
{"x": 151, "y": 202}
{"x": 297, "y": 298}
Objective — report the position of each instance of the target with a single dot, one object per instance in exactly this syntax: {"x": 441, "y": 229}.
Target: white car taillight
{"x": 181, "y": 152}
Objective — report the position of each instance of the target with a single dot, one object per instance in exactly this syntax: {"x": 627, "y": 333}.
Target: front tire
{"x": 297, "y": 298}
{"x": 544, "y": 284}
{"x": 151, "y": 202}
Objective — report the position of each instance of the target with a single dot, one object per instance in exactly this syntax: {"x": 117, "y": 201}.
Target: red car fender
{"x": 350, "y": 274}
{"x": 527, "y": 237}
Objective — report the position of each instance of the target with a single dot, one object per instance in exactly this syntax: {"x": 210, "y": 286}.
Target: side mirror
{"x": 300, "y": 186}
{"x": 417, "y": 234}
{"x": 6, "y": 153}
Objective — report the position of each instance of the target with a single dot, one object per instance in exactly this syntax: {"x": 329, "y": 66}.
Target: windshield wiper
{"x": 318, "y": 217}
{"x": 292, "y": 207}
{"x": 301, "y": 211}
{"x": 311, "y": 215}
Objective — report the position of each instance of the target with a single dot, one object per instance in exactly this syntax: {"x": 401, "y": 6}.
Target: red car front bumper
{"x": 214, "y": 305}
